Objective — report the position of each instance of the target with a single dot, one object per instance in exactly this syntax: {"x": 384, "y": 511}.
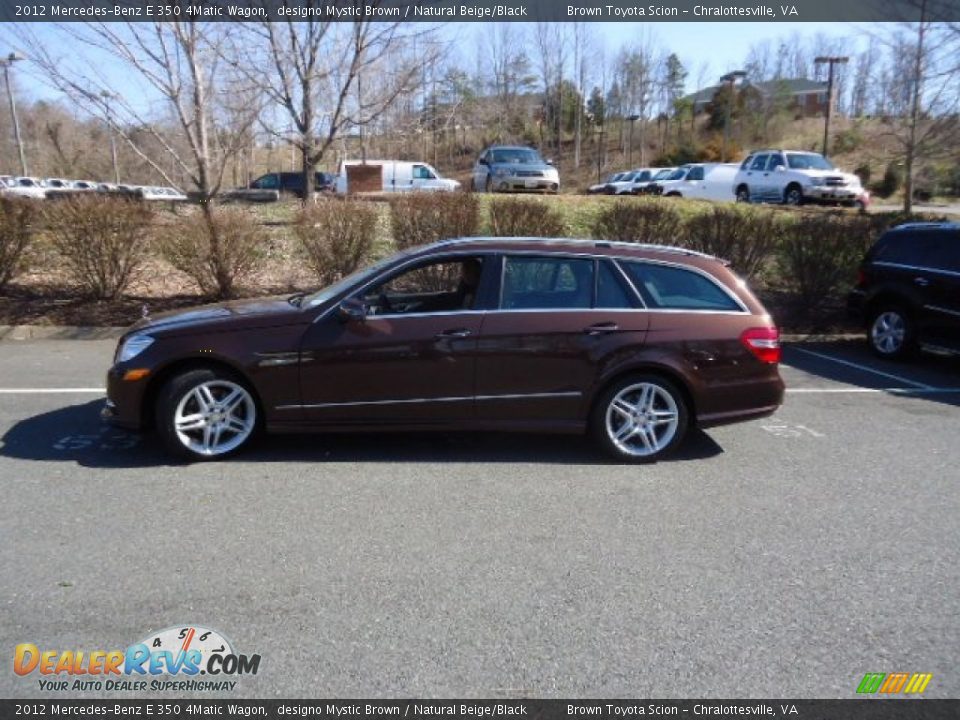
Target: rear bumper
{"x": 739, "y": 402}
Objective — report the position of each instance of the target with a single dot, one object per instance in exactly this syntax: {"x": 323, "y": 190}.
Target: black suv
{"x": 292, "y": 182}
{"x": 908, "y": 290}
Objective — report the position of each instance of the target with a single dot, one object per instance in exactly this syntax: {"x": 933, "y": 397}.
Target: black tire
{"x": 673, "y": 194}
{"x": 743, "y": 194}
{"x": 603, "y": 418}
{"x": 793, "y": 195}
{"x": 177, "y": 390}
{"x": 892, "y": 332}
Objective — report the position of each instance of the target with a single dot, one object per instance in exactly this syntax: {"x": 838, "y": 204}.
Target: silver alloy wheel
{"x": 642, "y": 419}
{"x": 794, "y": 196}
{"x": 888, "y": 332}
{"x": 215, "y": 417}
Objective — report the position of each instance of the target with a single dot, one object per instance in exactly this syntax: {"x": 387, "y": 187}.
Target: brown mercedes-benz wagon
{"x": 632, "y": 343}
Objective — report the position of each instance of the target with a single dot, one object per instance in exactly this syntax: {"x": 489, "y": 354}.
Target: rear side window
{"x": 543, "y": 283}
{"x": 672, "y": 288}
{"x": 696, "y": 174}
{"x": 936, "y": 249}
{"x": 611, "y": 290}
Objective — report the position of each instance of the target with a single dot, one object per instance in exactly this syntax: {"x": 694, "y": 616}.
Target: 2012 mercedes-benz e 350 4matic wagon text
{"x": 634, "y": 344}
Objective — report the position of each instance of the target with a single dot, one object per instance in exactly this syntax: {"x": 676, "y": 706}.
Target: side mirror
{"x": 549, "y": 161}
{"x": 352, "y": 310}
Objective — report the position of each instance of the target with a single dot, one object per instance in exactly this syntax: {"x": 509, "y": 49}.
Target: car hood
{"x": 233, "y": 314}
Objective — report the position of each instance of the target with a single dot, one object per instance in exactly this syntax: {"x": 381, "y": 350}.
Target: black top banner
{"x": 481, "y": 10}
{"x": 878, "y": 709}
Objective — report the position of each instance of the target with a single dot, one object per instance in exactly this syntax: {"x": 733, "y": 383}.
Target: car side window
{"x": 445, "y": 285}
{"x": 420, "y": 172}
{"x": 776, "y": 160}
{"x": 268, "y": 182}
{"x": 611, "y": 291}
{"x": 545, "y": 283}
{"x": 759, "y": 162}
{"x": 695, "y": 174}
{"x": 927, "y": 249}
{"x": 673, "y": 288}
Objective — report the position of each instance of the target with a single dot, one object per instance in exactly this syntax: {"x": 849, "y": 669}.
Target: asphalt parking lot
{"x": 779, "y": 558}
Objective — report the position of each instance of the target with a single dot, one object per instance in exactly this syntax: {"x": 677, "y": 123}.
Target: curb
{"x": 93, "y": 332}
{"x": 59, "y": 332}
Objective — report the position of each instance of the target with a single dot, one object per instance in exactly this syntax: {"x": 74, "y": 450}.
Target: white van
{"x": 703, "y": 181}
{"x": 394, "y": 176}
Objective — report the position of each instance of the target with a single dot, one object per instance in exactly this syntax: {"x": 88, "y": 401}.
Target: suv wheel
{"x": 205, "y": 414}
{"x": 743, "y": 194}
{"x": 892, "y": 334}
{"x": 793, "y": 195}
{"x": 641, "y": 418}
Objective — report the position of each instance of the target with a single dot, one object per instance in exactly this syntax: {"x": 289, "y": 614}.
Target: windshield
{"x": 331, "y": 291}
{"x": 663, "y": 174}
{"x": 516, "y": 156}
{"x": 808, "y": 161}
{"x": 677, "y": 174}
{"x": 627, "y": 177}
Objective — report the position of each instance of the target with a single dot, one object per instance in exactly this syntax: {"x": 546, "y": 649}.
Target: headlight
{"x": 133, "y": 346}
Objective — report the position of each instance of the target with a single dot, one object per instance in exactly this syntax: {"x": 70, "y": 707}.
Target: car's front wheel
{"x": 892, "y": 334}
{"x": 793, "y": 195}
{"x": 641, "y": 418}
{"x": 205, "y": 414}
{"x": 743, "y": 194}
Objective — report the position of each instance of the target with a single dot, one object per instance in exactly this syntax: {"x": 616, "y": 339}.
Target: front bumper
{"x": 510, "y": 183}
{"x": 124, "y": 401}
{"x": 827, "y": 193}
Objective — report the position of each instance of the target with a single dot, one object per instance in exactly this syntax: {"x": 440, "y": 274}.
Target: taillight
{"x": 764, "y": 342}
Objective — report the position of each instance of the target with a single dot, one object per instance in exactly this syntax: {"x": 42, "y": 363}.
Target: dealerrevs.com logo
{"x": 185, "y": 658}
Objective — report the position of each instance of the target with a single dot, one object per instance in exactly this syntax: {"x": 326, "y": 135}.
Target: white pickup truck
{"x": 794, "y": 178}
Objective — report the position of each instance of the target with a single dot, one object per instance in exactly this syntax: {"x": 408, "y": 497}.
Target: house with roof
{"x": 806, "y": 97}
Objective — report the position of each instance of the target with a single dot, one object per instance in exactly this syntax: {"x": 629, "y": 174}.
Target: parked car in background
{"x": 908, "y": 290}
{"x": 390, "y": 176}
{"x": 701, "y": 181}
{"x": 59, "y": 184}
{"x": 601, "y": 187}
{"x": 634, "y": 344}
{"x": 289, "y": 182}
{"x": 652, "y": 187}
{"x": 643, "y": 177}
{"x": 167, "y": 194}
{"x": 624, "y": 186}
{"x": 794, "y": 178}
{"x": 506, "y": 168}
{"x": 84, "y": 185}
{"x": 30, "y": 187}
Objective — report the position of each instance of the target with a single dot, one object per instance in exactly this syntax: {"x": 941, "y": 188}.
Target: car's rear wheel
{"x": 892, "y": 334}
{"x": 641, "y": 418}
{"x": 205, "y": 414}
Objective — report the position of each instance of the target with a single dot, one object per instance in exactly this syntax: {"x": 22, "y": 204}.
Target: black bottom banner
{"x": 874, "y": 709}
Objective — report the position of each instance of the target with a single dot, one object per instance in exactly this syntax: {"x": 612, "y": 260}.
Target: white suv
{"x": 794, "y": 178}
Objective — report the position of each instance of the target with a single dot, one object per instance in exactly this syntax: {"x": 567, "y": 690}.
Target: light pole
{"x": 631, "y": 119}
{"x": 6, "y": 63}
{"x": 107, "y": 97}
{"x": 730, "y": 79}
{"x": 830, "y": 61}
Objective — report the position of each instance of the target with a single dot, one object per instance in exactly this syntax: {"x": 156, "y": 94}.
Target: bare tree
{"x": 331, "y": 77}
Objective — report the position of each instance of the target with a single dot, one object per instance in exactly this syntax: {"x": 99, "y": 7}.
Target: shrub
{"x": 820, "y": 253}
{"x": 745, "y": 236}
{"x": 891, "y": 182}
{"x": 516, "y": 217}
{"x": 336, "y": 237}
{"x": 102, "y": 241}
{"x": 217, "y": 249}
{"x": 422, "y": 218}
{"x": 16, "y": 233}
{"x": 640, "y": 220}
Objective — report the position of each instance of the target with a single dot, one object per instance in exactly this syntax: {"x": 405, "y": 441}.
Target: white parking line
{"x": 48, "y": 391}
{"x": 865, "y": 368}
{"x": 894, "y": 391}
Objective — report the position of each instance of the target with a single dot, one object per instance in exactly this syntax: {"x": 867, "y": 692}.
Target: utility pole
{"x": 830, "y": 62}
{"x": 6, "y": 63}
{"x": 730, "y": 79}
{"x": 107, "y": 97}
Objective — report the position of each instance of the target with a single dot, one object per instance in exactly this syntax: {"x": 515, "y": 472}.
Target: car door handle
{"x": 921, "y": 281}
{"x": 601, "y": 328}
{"x": 455, "y": 333}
